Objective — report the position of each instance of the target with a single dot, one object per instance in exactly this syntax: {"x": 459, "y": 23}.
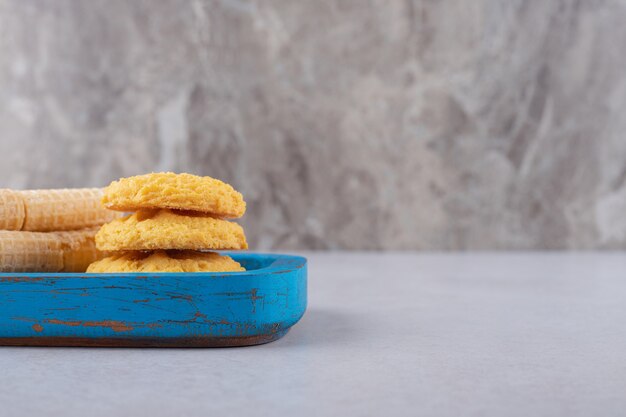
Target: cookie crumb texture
{"x": 167, "y": 190}
{"x": 166, "y": 261}
{"x": 168, "y": 229}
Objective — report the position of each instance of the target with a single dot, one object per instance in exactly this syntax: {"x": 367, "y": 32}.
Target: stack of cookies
{"x": 178, "y": 220}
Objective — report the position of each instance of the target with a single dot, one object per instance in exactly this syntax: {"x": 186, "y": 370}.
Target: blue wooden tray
{"x": 156, "y": 309}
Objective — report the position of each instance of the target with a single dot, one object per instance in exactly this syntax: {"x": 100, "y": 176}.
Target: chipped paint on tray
{"x": 116, "y": 326}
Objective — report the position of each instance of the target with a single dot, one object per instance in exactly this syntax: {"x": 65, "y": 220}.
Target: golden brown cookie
{"x": 166, "y": 261}
{"x": 167, "y": 190}
{"x": 168, "y": 229}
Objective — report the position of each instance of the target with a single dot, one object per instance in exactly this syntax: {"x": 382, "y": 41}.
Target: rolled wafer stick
{"x": 52, "y": 210}
{"x": 12, "y": 212}
{"x": 30, "y": 252}
{"x": 69, "y": 251}
{"x": 79, "y": 249}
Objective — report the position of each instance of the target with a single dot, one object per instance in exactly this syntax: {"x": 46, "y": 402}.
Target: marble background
{"x": 381, "y": 124}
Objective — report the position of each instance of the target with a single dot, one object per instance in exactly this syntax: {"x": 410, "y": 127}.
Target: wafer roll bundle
{"x": 69, "y": 251}
{"x": 50, "y": 230}
{"x": 52, "y": 210}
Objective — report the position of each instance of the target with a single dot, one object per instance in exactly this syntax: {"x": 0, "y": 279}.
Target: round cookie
{"x": 174, "y": 191}
{"x": 168, "y": 229}
{"x": 166, "y": 261}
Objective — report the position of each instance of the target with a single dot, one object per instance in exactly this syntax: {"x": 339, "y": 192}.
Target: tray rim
{"x": 281, "y": 263}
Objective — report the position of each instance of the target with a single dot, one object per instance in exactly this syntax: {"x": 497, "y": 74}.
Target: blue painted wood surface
{"x": 156, "y": 309}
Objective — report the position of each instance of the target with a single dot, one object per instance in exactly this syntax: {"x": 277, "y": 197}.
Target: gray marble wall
{"x": 347, "y": 124}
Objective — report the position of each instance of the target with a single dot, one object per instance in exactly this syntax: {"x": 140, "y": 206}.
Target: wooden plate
{"x": 156, "y": 309}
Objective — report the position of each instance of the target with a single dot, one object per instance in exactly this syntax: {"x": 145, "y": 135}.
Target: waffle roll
{"x": 79, "y": 249}
{"x": 69, "y": 251}
{"x": 12, "y": 210}
{"x": 52, "y": 210}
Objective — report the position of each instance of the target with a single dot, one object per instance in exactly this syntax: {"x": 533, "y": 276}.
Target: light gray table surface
{"x": 384, "y": 335}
